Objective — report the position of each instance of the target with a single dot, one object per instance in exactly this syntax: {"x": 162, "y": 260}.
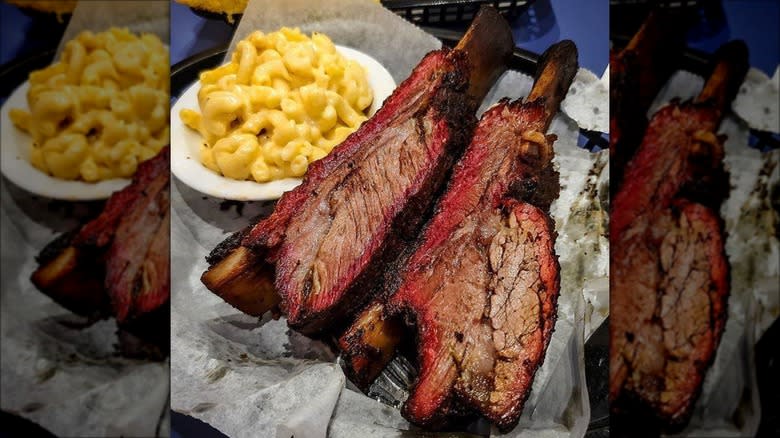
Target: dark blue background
{"x": 586, "y": 23}
{"x": 24, "y": 35}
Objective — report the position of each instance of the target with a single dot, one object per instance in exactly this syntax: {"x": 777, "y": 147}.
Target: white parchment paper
{"x": 758, "y": 101}
{"x": 728, "y": 405}
{"x": 55, "y": 372}
{"x": 258, "y": 378}
{"x": 139, "y": 16}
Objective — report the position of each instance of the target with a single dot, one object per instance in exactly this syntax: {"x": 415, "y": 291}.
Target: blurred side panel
{"x": 85, "y": 218}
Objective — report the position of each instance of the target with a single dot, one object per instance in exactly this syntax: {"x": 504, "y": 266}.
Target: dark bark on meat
{"x": 118, "y": 263}
{"x": 281, "y": 240}
{"x": 137, "y": 263}
{"x": 73, "y": 277}
{"x": 481, "y": 287}
{"x": 669, "y": 276}
{"x": 55, "y": 247}
{"x": 637, "y": 73}
{"x": 667, "y": 340}
{"x": 484, "y": 319}
{"x": 329, "y": 240}
{"x": 221, "y": 251}
{"x": 482, "y": 265}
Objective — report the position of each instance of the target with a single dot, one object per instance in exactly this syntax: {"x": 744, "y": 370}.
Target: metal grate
{"x": 666, "y": 4}
{"x": 438, "y": 12}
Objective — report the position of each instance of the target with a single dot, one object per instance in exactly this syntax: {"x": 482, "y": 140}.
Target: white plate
{"x": 185, "y": 143}
{"x": 15, "y": 147}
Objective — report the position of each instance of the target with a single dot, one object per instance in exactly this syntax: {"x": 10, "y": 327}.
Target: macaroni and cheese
{"x": 227, "y": 7}
{"x": 102, "y": 109}
{"x": 283, "y": 101}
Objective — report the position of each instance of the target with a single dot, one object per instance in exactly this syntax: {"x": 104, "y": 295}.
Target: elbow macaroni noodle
{"x": 102, "y": 109}
{"x": 283, "y": 101}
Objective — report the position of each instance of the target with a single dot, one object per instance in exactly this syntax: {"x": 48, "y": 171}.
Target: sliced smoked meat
{"x": 328, "y": 240}
{"x": 669, "y": 275}
{"x": 482, "y": 285}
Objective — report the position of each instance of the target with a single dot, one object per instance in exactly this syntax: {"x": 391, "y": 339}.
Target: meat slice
{"x": 671, "y": 329}
{"x": 668, "y": 270}
{"x": 485, "y": 310}
{"x": 482, "y": 285}
{"x": 328, "y": 240}
{"x": 100, "y": 232}
{"x": 137, "y": 267}
{"x": 118, "y": 263}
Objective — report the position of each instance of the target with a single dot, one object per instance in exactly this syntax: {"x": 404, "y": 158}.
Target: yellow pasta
{"x": 284, "y": 101}
{"x": 100, "y": 110}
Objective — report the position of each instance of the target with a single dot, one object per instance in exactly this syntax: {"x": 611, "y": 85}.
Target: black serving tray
{"x": 15, "y": 425}
{"x": 15, "y": 72}
{"x": 421, "y": 12}
{"x": 445, "y": 12}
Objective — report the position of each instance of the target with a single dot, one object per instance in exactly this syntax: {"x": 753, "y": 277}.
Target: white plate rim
{"x": 185, "y": 143}
{"x": 15, "y": 147}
